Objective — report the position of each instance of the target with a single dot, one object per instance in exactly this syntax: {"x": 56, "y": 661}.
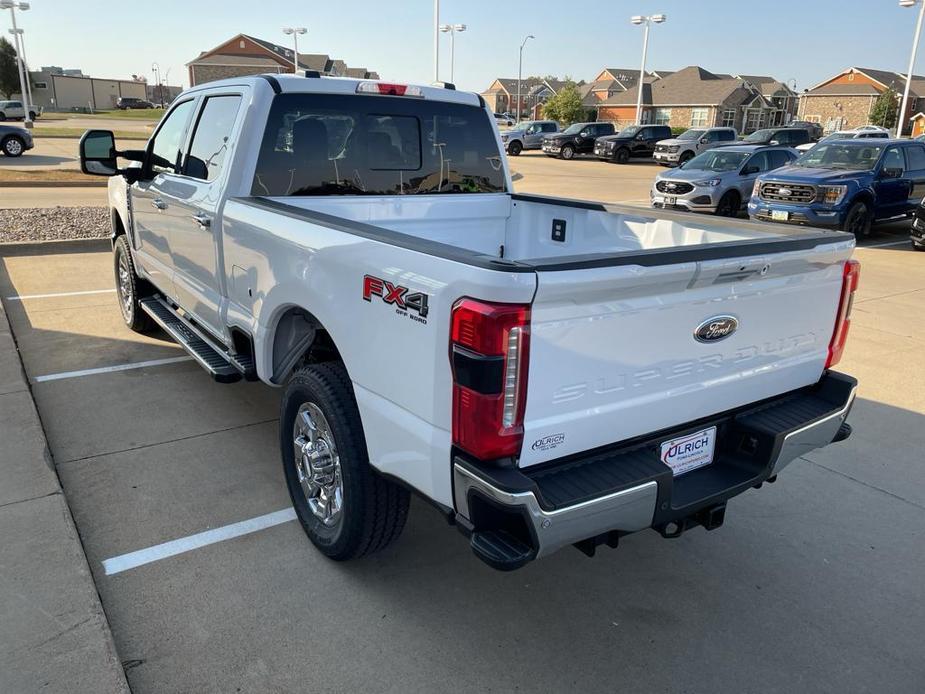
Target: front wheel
{"x": 858, "y": 220}
{"x": 128, "y": 285}
{"x": 728, "y": 205}
{"x": 13, "y": 146}
{"x": 622, "y": 156}
{"x": 686, "y": 157}
{"x": 918, "y": 246}
{"x": 2, "y": 115}
{"x": 568, "y": 152}
{"x": 515, "y": 148}
{"x": 32, "y": 115}
{"x": 346, "y": 509}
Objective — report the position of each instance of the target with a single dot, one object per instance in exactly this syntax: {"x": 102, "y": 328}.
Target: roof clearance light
{"x": 389, "y": 89}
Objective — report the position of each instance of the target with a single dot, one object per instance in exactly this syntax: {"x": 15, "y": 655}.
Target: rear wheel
{"x": 918, "y": 246}
{"x": 129, "y": 287}
{"x": 13, "y": 146}
{"x": 567, "y": 152}
{"x": 728, "y": 205}
{"x": 515, "y": 148}
{"x": 858, "y": 220}
{"x": 346, "y": 509}
{"x": 2, "y": 115}
{"x": 31, "y": 115}
{"x": 622, "y": 156}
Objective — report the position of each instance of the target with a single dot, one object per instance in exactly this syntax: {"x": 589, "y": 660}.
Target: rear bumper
{"x": 513, "y": 516}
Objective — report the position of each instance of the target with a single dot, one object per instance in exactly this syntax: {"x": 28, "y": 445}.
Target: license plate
{"x": 690, "y": 451}
{"x": 780, "y": 215}
{"x": 670, "y": 200}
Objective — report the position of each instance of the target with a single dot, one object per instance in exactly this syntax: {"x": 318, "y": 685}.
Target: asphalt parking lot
{"x": 813, "y": 584}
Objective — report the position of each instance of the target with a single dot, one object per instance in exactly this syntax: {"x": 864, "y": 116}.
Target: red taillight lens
{"x": 489, "y": 352}
{"x": 850, "y": 279}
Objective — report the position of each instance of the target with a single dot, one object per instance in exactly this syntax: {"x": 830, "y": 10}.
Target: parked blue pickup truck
{"x": 844, "y": 184}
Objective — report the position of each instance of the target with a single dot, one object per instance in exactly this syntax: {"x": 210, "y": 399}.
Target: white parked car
{"x": 865, "y": 131}
{"x": 14, "y": 110}
{"x": 545, "y": 372}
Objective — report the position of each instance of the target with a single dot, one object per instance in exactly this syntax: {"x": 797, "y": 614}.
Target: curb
{"x": 16, "y": 248}
{"x": 49, "y": 568}
{"x": 52, "y": 184}
{"x": 36, "y": 135}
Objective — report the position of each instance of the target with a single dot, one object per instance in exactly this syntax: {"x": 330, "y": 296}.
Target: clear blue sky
{"x": 806, "y": 40}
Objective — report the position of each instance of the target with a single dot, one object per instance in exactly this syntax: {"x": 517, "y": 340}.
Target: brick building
{"x": 845, "y": 100}
{"x": 247, "y": 55}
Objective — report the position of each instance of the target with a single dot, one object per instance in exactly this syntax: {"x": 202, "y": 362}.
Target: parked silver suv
{"x": 719, "y": 181}
{"x": 690, "y": 143}
{"x": 527, "y": 135}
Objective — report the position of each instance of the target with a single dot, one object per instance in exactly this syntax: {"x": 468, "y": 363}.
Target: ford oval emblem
{"x": 716, "y": 328}
{"x": 784, "y": 192}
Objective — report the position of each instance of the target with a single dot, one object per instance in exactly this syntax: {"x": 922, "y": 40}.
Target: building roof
{"x": 315, "y": 61}
{"x": 249, "y": 60}
{"x": 859, "y": 89}
{"x": 624, "y": 74}
{"x": 692, "y": 86}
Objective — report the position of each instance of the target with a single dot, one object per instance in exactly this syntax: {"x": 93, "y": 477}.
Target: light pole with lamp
{"x": 156, "y": 69}
{"x": 452, "y": 29}
{"x": 520, "y": 69}
{"x": 648, "y": 21}
{"x": 436, "y": 41}
{"x": 22, "y": 44}
{"x": 12, "y": 6}
{"x": 915, "y": 48}
{"x": 294, "y": 32}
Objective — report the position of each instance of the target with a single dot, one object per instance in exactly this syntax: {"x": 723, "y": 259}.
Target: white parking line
{"x": 888, "y": 243}
{"x": 132, "y": 560}
{"x": 109, "y": 369}
{"x": 57, "y": 294}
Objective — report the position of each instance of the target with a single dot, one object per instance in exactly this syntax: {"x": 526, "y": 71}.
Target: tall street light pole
{"x": 451, "y": 29}
{"x": 27, "y": 98}
{"x": 915, "y": 48}
{"x": 12, "y": 6}
{"x": 294, "y": 32}
{"x": 647, "y": 21}
{"x": 520, "y": 69}
{"x": 436, "y": 40}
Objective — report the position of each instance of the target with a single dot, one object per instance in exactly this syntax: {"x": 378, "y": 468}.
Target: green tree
{"x": 565, "y": 106}
{"x": 9, "y": 74}
{"x": 884, "y": 111}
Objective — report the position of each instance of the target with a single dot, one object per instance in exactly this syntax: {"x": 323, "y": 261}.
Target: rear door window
{"x": 211, "y": 137}
{"x": 915, "y": 157}
{"x": 778, "y": 158}
{"x": 326, "y": 144}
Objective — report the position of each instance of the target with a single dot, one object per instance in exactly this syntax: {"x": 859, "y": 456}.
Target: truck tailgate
{"x": 613, "y": 353}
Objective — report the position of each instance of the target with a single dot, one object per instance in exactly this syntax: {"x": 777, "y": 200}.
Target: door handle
{"x": 158, "y": 204}
{"x": 202, "y": 220}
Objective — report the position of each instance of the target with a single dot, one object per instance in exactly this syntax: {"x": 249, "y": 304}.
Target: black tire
{"x": 729, "y": 204}
{"x": 918, "y": 246}
{"x": 858, "y": 220}
{"x": 2, "y": 116}
{"x": 13, "y": 146}
{"x": 130, "y": 288}
{"x": 686, "y": 157}
{"x": 515, "y": 148}
{"x": 373, "y": 510}
{"x": 32, "y": 115}
{"x": 567, "y": 152}
{"x": 622, "y": 156}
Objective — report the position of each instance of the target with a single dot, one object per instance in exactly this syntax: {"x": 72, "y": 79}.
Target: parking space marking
{"x": 109, "y": 369}
{"x": 132, "y": 560}
{"x": 904, "y": 242}
{"x": 57, "y": 294}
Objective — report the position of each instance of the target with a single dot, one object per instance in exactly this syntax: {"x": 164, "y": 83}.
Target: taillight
{"x": 850, "y": 278}
{"x": 489, "y": 352}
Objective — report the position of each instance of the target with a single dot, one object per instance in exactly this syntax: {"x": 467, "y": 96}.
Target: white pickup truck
{"x": 545, "y": 372}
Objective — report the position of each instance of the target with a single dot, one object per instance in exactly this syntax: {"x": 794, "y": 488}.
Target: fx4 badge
{"x": 404, "y": 300}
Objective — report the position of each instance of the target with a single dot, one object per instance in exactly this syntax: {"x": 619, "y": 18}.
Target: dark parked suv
{"x": 787, "y": 137}
{"x": 632, "y": 141}
{"x": 578, "y": 138}
{"x": 129, "y": 102}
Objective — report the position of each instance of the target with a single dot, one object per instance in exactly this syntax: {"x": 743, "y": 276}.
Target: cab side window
{"x": 166, "y": 146}
{"x": 893, "y": 159}
{"x": 549, "y": 127}
{"x": 778, "y": 158}
{"x": 210, "y": 139}
{"x": 759, "y": 160}
{"x": 915, "y": 157}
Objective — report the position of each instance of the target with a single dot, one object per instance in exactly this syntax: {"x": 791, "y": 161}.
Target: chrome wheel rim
{"x": 13, "y": 147}
{"x": 125, "y": 286}
{"x": 317, "y": 464}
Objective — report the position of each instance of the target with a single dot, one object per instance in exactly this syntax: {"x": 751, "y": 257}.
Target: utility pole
{"x": 520, "y": 70}
{"x": 11, "y": 5}
{"x": 915, "y": 48}
{"x": 436, "y": 40}
{"x": 637, "y": 20}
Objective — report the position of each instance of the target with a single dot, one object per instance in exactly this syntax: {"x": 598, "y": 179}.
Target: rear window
{"x": 323, "y": 144}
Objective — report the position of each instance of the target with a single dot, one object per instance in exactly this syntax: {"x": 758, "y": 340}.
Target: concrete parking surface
{"x": 813, "y": 583}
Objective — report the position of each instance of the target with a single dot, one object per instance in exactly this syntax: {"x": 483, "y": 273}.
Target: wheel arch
{"x": 297, "y": 336}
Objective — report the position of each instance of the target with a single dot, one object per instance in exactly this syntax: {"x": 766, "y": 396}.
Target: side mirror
{"x": 98, "y": 153}
{"x": 774, "y": 142}
{"x": 891, "y": 173}
{"x": 703, "y": 140}
{"x": 749, "y": 170}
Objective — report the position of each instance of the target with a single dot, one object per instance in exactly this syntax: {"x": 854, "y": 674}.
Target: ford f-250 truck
{"x": 545, "y": 372}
